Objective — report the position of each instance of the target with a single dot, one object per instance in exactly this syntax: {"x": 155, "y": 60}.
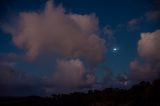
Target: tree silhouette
{"x": 142, "y": 94}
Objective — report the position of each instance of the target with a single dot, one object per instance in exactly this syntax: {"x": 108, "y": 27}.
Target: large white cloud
{"x": 54, "y": 30}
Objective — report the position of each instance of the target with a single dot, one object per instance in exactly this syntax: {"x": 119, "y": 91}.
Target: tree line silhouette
{"x": 142, "y": 94}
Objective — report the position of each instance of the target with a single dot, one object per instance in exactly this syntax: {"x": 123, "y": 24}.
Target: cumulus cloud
{"x": 149, "y": 50}
{"x": 153, "y": 15}
{"x": 72, "y": 38}
{"x": 54, "y": 30}
{"x": 72, "y": 73}
{"x": 148, "y": 45}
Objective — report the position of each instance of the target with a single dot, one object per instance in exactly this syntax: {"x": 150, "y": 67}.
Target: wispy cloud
{"x": 152, "y": 15}
{"x": 134, "y": 24}
{"x": 108, "y": 31}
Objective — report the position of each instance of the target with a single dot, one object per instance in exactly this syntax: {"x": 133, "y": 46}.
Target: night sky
{"x": 62, "y": 46}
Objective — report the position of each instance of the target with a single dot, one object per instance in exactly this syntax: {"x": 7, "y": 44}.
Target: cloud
{"x": 72, "y": 73}
{"x": 72, "y": 39}
{"x": 142, "y": 71}
{"x": 148, "y": 45}
{"x": 16, "y": 83}
{"x": 157, "y": 2}
{"x": 122, "y": 80}
{"x": 54, "y": 30}
{"x": 10, "y": 57}
{"x": 149, "y": 50}
{"x": 153, "y": 15}
{"x": 133, "y": 24}
{"x": 108, "y": 31}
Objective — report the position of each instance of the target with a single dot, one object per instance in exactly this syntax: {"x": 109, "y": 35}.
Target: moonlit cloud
{"x": 140, "y": 71}
{"x": 149, "y": 50}
{"x": 54, "y": 30}
{"x": 72, "y": 73}
{"x": 72, "y": 38}
{"x": 148, "y": 45}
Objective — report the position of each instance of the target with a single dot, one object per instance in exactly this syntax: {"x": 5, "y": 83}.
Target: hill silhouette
{"x": 142, "y": 94}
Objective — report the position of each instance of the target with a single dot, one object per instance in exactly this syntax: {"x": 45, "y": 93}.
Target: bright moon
{"x": 115, "y": 49}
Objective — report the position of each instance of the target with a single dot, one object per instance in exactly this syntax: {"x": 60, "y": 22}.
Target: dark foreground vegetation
{"x": 142, "y": 94}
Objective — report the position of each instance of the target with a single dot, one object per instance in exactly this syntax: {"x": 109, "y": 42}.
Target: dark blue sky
{"x": 122, "y": 20}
